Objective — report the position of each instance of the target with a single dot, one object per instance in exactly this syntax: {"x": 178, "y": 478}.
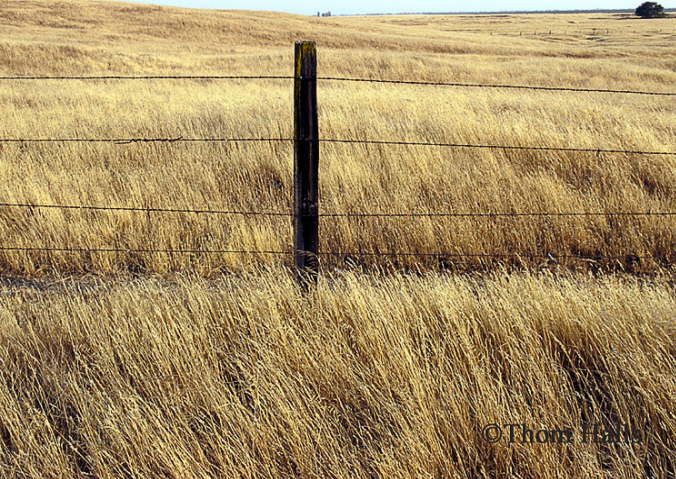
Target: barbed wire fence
{"x": 306, "y": 142}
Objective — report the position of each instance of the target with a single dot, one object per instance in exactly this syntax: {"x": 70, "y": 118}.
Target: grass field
{"x": 368, "y": 377}
{"x": 92, "y": 38}
{"x": 142, "y": 365}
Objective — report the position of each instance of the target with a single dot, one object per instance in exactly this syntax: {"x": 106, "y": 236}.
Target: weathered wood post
{"x": 306, "y": 162}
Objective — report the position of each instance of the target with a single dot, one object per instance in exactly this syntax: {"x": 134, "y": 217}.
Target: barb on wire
{"x": 141, "y": 209}
{"x": 147, "y": 140}
{"x": 481, "y": 85}
{"x": 126, "y": 250}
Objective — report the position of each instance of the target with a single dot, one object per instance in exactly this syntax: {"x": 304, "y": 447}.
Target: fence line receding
{"x": 343, "y": 79}
{"x": 126, "y": 141}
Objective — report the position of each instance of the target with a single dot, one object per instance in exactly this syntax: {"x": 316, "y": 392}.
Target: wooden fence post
{"x": 306, "y": 162}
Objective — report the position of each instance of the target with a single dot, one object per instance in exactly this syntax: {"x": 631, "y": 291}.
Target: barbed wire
{"x": 630, "y": 258}
{"x": 147, "y": 77}
{"x": 330, "y": 78}
{"x": 582, "y": 213}
{"x": 330, "y": 215}
{"x": 550, "y": 256}
{"x": 142, "y": 209}
{"x": 124, "y": 141}
{"x": 132, "y": 250}
{"x": 598, "y": 151}
{"x": 481, "y": 85}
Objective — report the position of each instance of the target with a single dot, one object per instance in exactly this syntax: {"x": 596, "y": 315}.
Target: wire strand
{"x": 483, "y": 255}
{"x": 480, "y": 85}
{"x": 330, "y": 215}
{"x": 551, "y": 256}
{"x": 141, "y": 209}
{"x": 494, "y": 147}
{"x": 147, "y": 77}
{"x": 124, "y": 141}
{"x": 344, "y": 79}
{"x": 583, "y": 213}
{"x": 125, "y": 250}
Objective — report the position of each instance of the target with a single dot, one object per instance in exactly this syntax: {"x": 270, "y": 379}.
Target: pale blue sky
{"x": 392, "y": 6}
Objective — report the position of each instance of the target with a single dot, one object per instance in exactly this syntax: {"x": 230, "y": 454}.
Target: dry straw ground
{"x": 367, "y": 378}
{"x": 67, "y": 37}
{"x": 203, "y": 375}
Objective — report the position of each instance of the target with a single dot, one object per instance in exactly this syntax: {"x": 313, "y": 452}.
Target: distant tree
{"x": 650, "y": 10}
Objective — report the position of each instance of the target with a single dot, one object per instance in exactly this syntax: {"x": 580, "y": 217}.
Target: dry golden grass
{"x": 95, "y": 38}
{"x": 365, "y": 378}
{"x": 371, "y": 375}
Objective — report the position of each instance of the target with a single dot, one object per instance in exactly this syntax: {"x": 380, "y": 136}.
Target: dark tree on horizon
{"x": 650, "y": 10}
